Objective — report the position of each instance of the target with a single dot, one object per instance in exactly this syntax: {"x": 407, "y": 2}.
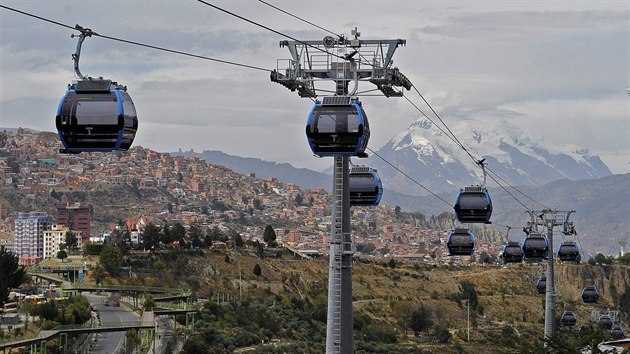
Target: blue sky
{"x": 556, "y": 68}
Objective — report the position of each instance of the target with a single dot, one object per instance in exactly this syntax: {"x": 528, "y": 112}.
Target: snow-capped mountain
{"x": 430, "y": 157}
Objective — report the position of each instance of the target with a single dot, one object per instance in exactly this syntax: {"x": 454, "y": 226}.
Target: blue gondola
{"x": 568, "y": 318}
{"x": 590, "y": 295}
{"x": 338, "y": 126}
{"x": 96, "y": 115}
{"x": 541, "y": 284}
{"x": 535, "y": 247}
{"x": 365, "y": 186}
{"x": 569, "y": 252}
{"x": 461, "y": 242}
{"x": 605, "y": 322}
{"x": 512, "y": 252}
{"x": 617, "y": 332}
{"x": 473, "y": 205}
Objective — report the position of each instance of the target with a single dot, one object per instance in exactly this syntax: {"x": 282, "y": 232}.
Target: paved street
{"x": 108, "y": 342}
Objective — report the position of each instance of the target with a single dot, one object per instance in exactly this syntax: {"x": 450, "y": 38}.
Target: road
{"x": 109, "y": 341}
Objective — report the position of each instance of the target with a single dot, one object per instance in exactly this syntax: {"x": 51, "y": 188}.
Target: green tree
{"x": 441, "y": 333}
{"x": 71, "y": 240}
{"x": 151, "y": 237}
{"x": 62, "y": 254}
{"x": 257, "y": 270}
{"x": 299, "y": 199}
{"x": 98, "y": 272}
{"x": 12, "y": 275}
{"x": 237, "y": 240}
{"x": 178, "y": 232}
{"x": 111, "y": 259}
{"x": 269, "y": 236}
{"x": 391, "y": 263}
{"x": 195, "y": 235}
{"x": 468, "y": 292}
{"x": 420, "y": 320}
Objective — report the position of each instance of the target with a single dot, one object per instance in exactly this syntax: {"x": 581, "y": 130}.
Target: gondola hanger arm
{"x": 85, "y": 32}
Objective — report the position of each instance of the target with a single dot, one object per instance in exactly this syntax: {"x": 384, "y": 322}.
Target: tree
{"x": 98, "y": 273}
{"x": 12, "y": 275}
{"x": 178, "y": 232}
{"x": 391, "y": 263}
{"x": 468, "y": 292}
{"x": 237, "y": 239}
{"x": 151, "y": 236}
{"x": 420, "y": 320}
{"x": 257, "y": 270}
{"x": 299, "y": 199}
{"x": 195, "y": 234}
{"x": 62, "y": 254}
{"x": 269, "y": 236}
{"x": 71, "y": 240}
{"x": 111, "y": 258}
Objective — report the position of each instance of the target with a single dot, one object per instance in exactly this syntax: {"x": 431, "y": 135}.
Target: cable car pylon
{"x": 337, "y": 127}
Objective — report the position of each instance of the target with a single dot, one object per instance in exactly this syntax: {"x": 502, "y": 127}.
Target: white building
{"x": 56, "y": 236}
{"x": 29, "y": 234}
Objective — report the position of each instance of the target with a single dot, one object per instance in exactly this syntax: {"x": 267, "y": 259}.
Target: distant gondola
{"x": 512, "y": 252}
{"x": 605, "y": 322}
{"x": 365, "y": 186}
{"x": 96, "y": 115}
{"x": 569, "y": 252}
{"x": 568, "y": 318}
{"x": 461, "y": 242}
{"x": 541, "y": 284}
{"x": 617, "y": 332}
{"x": 338, "y": 126}
{"x": 473, "y": 205}
{"x": 535, "y": 246}
{"x": 590, "y": 295}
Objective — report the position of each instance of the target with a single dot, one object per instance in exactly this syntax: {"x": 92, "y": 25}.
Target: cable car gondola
{"x": 338, "y": 126}
{"x": 617, "y": 332}
{"x": 461, "y": 242}
{"x": 568, "y": 319}
{"x": 541, "y": 284}
{"x": 512, "y": 252}
{"x": 365, "y": 186}
{"x": 590, "y": 295}
{"x": 535, "y": 246}
{"x": 569, "y": 252}
{"x": 96, "y": 115}
{"x": 605, "y": 322}
{"x": 473, "y": 205}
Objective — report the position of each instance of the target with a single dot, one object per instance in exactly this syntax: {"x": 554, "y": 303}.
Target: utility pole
{"x": 341, "y": 60}
{"x": 623, "y": 246}
{"x": 550, "y": 219}
{"x": 468, "y": 322}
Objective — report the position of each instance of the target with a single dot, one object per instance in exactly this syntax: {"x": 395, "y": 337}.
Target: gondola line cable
{"x": 74, "y": 28}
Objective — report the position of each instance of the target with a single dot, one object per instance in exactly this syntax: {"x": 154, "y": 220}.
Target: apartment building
{"x": 29, "y": 234}
{"x": 56, "y": 236}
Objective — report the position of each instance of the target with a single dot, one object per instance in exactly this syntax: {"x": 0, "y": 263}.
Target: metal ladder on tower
{"x": 338, "y": 251}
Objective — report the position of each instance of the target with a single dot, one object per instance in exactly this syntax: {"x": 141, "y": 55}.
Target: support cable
{"x": 140, "y": 44}
{"x": 410, "y": 178}
{"x": 268, "y": 28}
{"x": 299, "y": 18}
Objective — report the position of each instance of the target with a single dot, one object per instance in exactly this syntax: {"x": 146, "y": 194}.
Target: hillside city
{"x": 190, "y": 191}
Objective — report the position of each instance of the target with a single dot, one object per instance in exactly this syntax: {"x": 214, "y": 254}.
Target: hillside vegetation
{"x": 384, "y": 300}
